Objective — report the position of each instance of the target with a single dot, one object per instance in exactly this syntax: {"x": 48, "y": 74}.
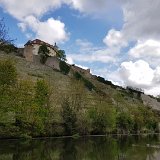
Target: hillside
{"x": 72, "y": 106}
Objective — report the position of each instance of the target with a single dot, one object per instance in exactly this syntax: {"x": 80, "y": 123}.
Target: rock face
{"x": 151, "y": 102}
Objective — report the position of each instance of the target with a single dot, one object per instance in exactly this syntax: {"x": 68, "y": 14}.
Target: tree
{"x": 44, "y": 53}
{"x": 4, "y": 37}
{"x": 8, "y": 73}
{"x": 61, "y": 55}
{"x": 64, "y": 67}
{"x": 69, "y": 117}
{"x": 103, "y": 118}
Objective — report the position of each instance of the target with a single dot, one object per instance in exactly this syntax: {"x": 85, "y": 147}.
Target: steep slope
{"x": 124, "y": 111}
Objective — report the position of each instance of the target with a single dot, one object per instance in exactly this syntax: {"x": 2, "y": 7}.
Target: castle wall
{"x": 81, "y": 70}
{"x": 53, "y": 62}
{"x": 28, "y": 54}
{"x": 52, "y": 52}
{"x": 36, "y": 49}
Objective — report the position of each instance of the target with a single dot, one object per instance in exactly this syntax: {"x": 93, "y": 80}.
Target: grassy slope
{"x": 113, "y": 96}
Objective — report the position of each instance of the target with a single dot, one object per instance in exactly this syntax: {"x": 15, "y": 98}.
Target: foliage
{"x": 8, "y": 73}
{"x": 69, "y": 118}
{"x": 4, "y": 37}
{"x": 103, "y": 119}
{"x": 77, "y": 75}
{"x": 44, "y": 53}
{"x": 8, "y": 48}
{"x": 88, "y": 84}
{"x": 33, "y": 108}
{"x": 124, "y": 122}
{"x": 102, "y": 80}
{"x": 64, "y": 67}
{"x": 61, "y": 55}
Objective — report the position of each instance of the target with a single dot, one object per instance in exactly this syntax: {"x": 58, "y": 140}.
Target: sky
{"x": 118, "y": 40}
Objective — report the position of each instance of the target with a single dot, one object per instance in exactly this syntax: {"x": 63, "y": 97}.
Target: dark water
{"x": 88, "y": 148}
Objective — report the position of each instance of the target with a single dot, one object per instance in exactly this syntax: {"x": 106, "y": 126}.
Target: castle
{"x": 30, "y": 53}
{"x": 31, "y": 49}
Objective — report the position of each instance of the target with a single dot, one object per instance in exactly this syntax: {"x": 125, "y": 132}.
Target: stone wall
{"x": 81, "y": 70}
{"x": 53, "y": 62}
{"x": 151, "y": 102}
{"x": 20, "y": 52}
{"x": 28, "y": 54}
{"x": 36, "y": 49}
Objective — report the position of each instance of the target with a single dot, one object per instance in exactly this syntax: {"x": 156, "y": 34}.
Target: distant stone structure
{"x": 31, "y": 49}
{"x": 81, "y": 70}
{"x": 30, "y": 53}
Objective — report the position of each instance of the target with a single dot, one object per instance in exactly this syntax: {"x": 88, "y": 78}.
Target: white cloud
{"x": 93, "y": 57}
{"x": 50, "y": 31}
{"x": 115, "y": 39}
{"x": 92, "y": 6}
{"x": 141, "y": 19}
{"x": 70, "y": 60}
{"x": 23, "y": 8}
{"x": 29, "y": 13}
{"x": 90, "y": 53}
{"x": 138, "y": 74}
{"x": 149, "y": 48}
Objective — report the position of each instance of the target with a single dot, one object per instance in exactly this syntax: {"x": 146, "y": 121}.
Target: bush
{"x": 89, "y": 85}
{"x": 77, "y": 76}
{"x": 103, "y": 119}
{"x": 8, "y": 48}
{"x": 8, "y": 74}
{"x": 69, "y": 118}
{"x": 64, "y": 67}
{"x": 102, "y": 80}
{"x": 44, "y": 53}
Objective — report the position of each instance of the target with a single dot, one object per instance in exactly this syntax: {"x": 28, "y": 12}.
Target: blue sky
{"x": 118, "y": 40}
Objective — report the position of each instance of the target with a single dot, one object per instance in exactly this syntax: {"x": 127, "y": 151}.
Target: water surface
{"x": 86, "y": 148}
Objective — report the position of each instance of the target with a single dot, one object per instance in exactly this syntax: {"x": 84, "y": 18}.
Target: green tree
{"x": 44, "y": 53}
{"x": 4, "y": 37}
{"x": 8, "y": 73}
{"x": 124, "y": 122}
{"x": 69, "y": 117}
{"x": 64, "y": 67}
{"x": 61, "y": 55}
{"x": 42, "y": 96}
{"x": 8, "y": 80}
{"x": 103, "y": 118}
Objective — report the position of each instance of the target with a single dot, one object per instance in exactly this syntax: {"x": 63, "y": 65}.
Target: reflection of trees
{"x": 88, "y": 148}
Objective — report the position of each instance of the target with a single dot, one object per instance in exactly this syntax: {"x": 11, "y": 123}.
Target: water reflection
{"x": 88, "y": 148}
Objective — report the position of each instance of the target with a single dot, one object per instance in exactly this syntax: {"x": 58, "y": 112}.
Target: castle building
{"x": 31, "y": 49}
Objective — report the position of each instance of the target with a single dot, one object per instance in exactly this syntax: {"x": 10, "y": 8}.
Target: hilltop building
{"x": 31, "y": 49}
{"x": 30, "y": 53}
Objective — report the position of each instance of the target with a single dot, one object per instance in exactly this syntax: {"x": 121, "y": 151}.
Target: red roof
{"x": 40, "y": 42}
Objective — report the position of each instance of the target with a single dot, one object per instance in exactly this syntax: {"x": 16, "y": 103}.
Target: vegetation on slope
{"x": 53, "y": 104}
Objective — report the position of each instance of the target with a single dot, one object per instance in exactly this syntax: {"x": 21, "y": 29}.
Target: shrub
{"x": 101, "y": 79}
{"x": 61, "y": 55}
{"x": 69, "y": 118}
{"x": 88, "y": 84}
{"x": 8, "y": 73}
{"x": 103, "y": 119}
{"x": 8, "y": 48}
{"x": 44, "y": 53}
{"x": 77, "y": 76}
{"x": 64, "y": 67}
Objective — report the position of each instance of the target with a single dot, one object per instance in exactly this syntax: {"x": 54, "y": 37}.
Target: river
{"x": 84, "y": 148}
